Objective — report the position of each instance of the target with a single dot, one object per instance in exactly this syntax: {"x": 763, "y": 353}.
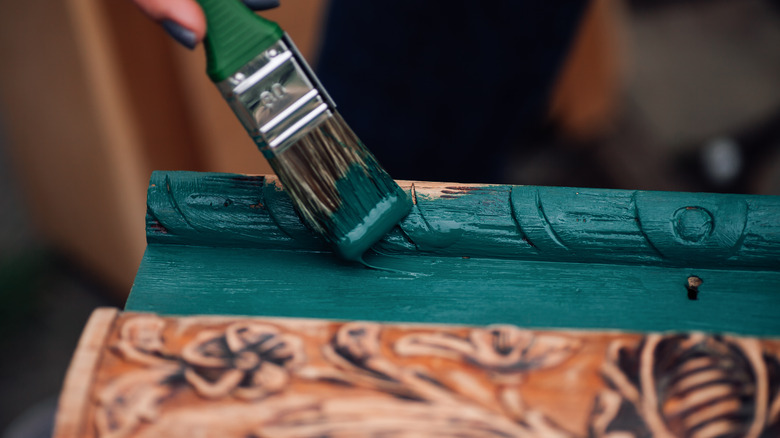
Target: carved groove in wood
{"x": 243, "y": 377}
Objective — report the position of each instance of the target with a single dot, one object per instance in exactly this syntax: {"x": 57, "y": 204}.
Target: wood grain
{"x": 536, "y": 257}
{"x": 242, "y": 377}
{"x": 512, "y": 222}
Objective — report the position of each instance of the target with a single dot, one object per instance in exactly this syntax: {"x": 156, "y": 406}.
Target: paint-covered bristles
{"x": 339, "y": 189}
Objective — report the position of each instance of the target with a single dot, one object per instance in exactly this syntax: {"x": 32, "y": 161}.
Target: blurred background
{"x": 677, "y": 95}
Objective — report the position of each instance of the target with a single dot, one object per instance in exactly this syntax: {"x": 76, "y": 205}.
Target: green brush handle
{"x": 234, "y": 36}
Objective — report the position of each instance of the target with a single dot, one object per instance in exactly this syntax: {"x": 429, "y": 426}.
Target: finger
{"x": 183, "y": 19}
{"x": 261, "y": 5}
{"x": 183, "y": 36}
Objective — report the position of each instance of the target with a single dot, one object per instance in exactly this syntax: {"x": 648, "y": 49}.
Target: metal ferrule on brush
{"x": 277, "y": 97}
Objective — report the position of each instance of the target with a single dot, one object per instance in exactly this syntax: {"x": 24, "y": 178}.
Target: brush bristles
{"x": 333, "y": 180}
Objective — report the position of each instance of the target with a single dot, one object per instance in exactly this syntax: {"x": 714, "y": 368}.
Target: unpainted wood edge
{"x": 404, "y": 183}
{"x": 74, "y": 398}
{"x": 431, "y": 188}
{"x": 407, "y": 183}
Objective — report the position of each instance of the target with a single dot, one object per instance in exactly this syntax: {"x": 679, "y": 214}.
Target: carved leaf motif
{"x": 131, "y": 400}
{"x": 500, "y": 348}
{"x": 358, "y": 342}
{"x": 426, "y": 405}
{"x": 247, "y": 360}
{"x": 357, "y": 356}
{"x": 141, "y": 340}
{"x": 686, "y": 385}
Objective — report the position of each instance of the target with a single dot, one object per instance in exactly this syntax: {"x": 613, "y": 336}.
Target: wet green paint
{"x": 531, "y": 256}
{"x": 338, "y": 187}
{"x": 366, "y": 190}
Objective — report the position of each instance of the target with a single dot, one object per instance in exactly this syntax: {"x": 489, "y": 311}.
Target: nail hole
{"x": 693, "y": 287}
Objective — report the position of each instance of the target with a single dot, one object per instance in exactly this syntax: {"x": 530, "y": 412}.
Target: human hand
{"x": 184, "y": 20}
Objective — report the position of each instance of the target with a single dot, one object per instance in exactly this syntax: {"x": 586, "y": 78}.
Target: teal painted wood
{"x": 518, "y": 222}
{"x": 179, "y": 280}
{"x": 540, "y": 257}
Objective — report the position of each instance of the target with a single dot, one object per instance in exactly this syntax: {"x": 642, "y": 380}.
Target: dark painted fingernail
{"x": 261, "y": 5}
{"x": 183, "y": 36}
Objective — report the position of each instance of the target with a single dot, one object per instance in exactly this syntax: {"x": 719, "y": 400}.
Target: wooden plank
{"x": 252, "y": 377}
{"x": 540, "y": 257}
{"x": 689, "y": 230}
{"x": 189, "y": 280}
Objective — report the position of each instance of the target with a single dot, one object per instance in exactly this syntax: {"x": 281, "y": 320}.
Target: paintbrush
{"x": 338, "y": 188}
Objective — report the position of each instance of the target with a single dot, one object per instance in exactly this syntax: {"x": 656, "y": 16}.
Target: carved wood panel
{"x": 142, "y": 375}
{"x": 480, "y": 220}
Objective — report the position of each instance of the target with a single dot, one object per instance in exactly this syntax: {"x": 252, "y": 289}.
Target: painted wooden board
{"x": 537, "y": 257}
{"x": 496, "y": 221}
{"x": 142, "y": 375}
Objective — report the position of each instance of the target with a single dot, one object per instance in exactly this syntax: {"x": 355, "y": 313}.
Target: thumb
{"x": 182, "y": 19}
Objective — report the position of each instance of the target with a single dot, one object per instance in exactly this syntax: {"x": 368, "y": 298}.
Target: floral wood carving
{"x": 247, "y": 360}
{"x": 224, "y": 377}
